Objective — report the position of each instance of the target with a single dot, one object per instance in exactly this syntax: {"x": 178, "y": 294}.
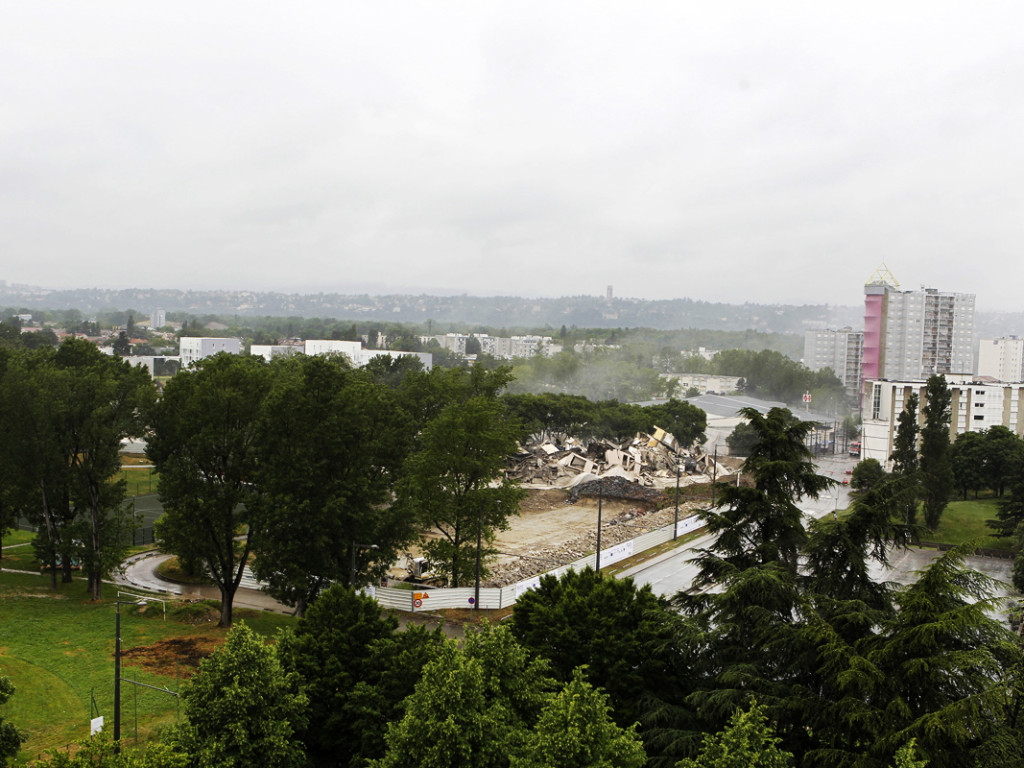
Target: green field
{"x": 964, "y": 521}
{"x": 141, "y": 481}
{"x": 57, "y": 648}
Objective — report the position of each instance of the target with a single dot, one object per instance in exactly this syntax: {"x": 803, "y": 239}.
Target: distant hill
{"x": 493, "y": 312}
{"x": 504, "y": 311}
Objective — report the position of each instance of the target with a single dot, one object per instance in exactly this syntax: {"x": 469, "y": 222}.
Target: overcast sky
{"x": 763, "y": 152}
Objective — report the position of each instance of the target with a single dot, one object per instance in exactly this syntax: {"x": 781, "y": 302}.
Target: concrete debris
{"x": 652, "y": 461}
{"x": 624, "y": 526}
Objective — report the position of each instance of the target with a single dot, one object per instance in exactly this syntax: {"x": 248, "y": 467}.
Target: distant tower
{"x": 608, "y": 296}
{"x": 158, "y": 319}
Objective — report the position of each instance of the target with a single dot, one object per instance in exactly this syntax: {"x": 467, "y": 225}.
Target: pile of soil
{"x": 176, "y": 655}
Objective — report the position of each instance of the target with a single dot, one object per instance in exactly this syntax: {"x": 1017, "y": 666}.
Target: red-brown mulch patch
{"x": 176, "y": 655}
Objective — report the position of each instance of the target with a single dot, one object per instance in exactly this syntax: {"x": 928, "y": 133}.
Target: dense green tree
{"x": 473, "y": 706}
{"x": 382, "y": 696}
{"x": 241, "y": 708}
{"x": 11, "y": 738}
{"x": 763, "y": 524}
{"x": 936, "y": 467}
{"x": 66, "y": 412}
{"x": 967, "y": 460}
{"x": 944, "y": 658}
{"x": 685, "y": 421}
{"x": 742, "y": 439}
{"x": 454, "y": 480}
{"x": 100, "y": 752}
{"x": 748, "y": 741}
{"x": 1009, "y": 522}
{"x": 1003, "y": 452}
{"x": 866, "y": 475}
{"x": 104, "y": 405}
{"x": 329, "y": 650}
{"x": 391, "y": 371}
{"x": 330, "y": 445}
{"x": 576, "y": 730}
{"x": 205, "y": 446}
{"x": 122, "y": 345}
{"x": 627, "y": 637}
{"x": 905, "y": 463}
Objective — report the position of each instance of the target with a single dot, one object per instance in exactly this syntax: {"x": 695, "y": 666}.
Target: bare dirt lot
{"x": 550, "y": 531}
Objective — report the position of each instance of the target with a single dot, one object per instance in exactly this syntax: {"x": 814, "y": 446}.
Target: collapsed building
{"x": 655, "y": 461}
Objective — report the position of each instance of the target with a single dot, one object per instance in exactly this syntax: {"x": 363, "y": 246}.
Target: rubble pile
{"x": 616, "y": 487}
{"x": 652, "y": 460}
{"x": 624, "y": 526}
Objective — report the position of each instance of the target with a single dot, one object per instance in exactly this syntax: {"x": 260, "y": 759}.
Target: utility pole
{"x": 675, "y": 518}
{"x": 600, "y": 498}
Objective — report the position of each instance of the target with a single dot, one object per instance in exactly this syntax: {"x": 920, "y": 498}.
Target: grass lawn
{"x": 965, "y": 521}
{"x": 57, "y": 648}
{"x": 141, "y": 480}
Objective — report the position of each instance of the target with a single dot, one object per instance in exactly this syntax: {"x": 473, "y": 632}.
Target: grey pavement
{"x": 672, "y": 571}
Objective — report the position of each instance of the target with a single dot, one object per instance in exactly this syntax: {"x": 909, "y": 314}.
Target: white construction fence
{"x": 438, "y": 598}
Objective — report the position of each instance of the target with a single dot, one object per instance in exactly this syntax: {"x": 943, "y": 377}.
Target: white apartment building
{"x": 353, "y": 350}
{"x": 192, "y": 348}
{"x": 841, "y": 350}
{"x": 975, "y": 407}
{"x": 498, "y": 346}
{"x": 1002, "y": 358}
{"x": 158, "y": 319}
{"x": 910, "y": 335}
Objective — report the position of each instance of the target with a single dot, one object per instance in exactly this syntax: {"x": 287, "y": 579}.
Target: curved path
{"x": 140, "y": 572}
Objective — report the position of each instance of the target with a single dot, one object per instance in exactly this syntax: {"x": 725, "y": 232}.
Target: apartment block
{"x": 841, "y": 350}
{"x": 193, "y": 348}
{"x": 1002, "y": 358}
{"x": 975, "y": 407}
{"x": 910, "y": 335}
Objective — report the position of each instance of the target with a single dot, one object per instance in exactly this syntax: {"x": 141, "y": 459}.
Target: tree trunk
{"x": 227, "y": 597}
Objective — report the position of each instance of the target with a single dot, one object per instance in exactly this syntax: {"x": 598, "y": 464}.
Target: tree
{"x": 11, "y": 738}
{"x": 1009, "y": 522}
{"x": 472, "y": 706}
{"x": 936, "y": 467}
{"x": 576, "y": 730}
{"x": 866, "y": 475}
{"x": 628, "y": 639}
{"x": 329, "y": 449}
{"x": 1003, "y": 452}
{"x": 904, "y": 456}
{"x": 106, "y": 401}
{"x": 685, "y": 421}
{"x": 381, "y": 697}
{"x": 67, "y": 411}
{"x": 747, "y": 742}
{"x": 473, "y": 346}
{"x": 967, "y": 459}
{"x": 944, "y": 659}
{"x": 122, "y": 345}
{"x": 204, "y": 446}
{"x": 329, "y": 651}
{"x": 763, "y": 524}
{"x": 741, "y": 440}
{"x": 241, "y": 708}
{"x": 453, "y": 480}
{"x": 100, "y": 752}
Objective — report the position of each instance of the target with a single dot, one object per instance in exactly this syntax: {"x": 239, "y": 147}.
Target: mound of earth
{"x": 174, "y": 656}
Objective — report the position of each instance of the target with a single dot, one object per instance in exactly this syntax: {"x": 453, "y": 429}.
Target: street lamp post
{"x": 675, "y": 518}
{"x": 352, "y": 578}
{"x": 479, "y": 539}
{"x": 117, "y": 670}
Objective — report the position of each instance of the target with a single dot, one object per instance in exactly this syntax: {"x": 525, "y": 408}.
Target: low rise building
{"x": 193, "y": 348}
{"x": 976, "y": 406}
